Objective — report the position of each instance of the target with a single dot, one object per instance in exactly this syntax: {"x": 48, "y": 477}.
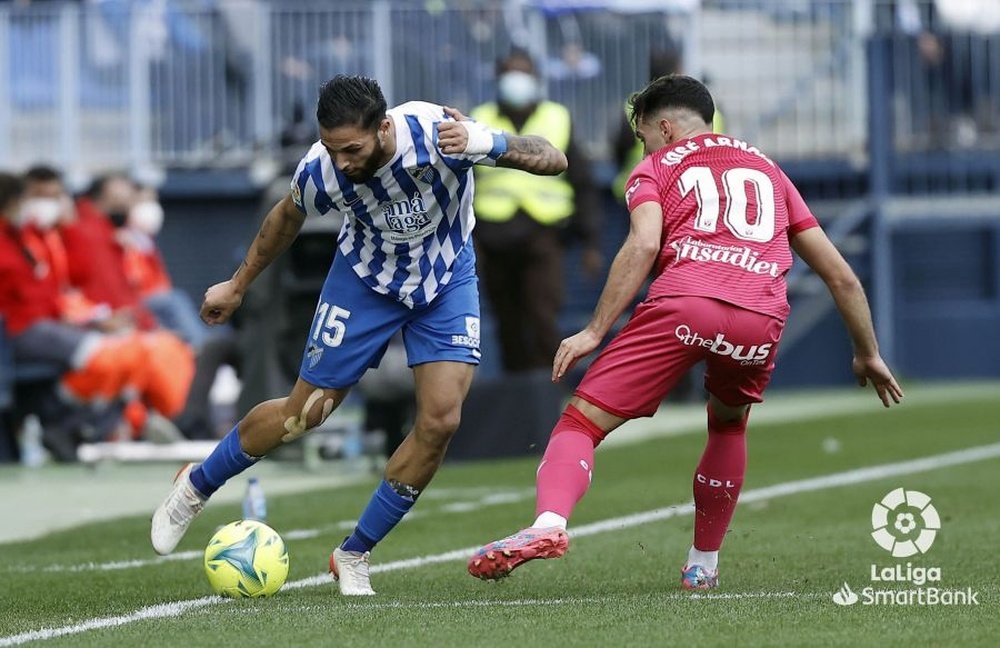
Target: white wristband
{"x": 484, "y": 140}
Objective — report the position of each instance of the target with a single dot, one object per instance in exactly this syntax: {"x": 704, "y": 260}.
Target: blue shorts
{"x": 353, "y": 325}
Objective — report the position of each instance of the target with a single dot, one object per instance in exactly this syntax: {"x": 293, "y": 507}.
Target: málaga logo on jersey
{"x": 755, "y": 355}
{"x": 406, "y": 216}
{"x": 423, "y": 174}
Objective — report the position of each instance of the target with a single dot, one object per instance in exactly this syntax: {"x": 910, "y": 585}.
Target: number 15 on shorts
{"x": 330, "y": 323}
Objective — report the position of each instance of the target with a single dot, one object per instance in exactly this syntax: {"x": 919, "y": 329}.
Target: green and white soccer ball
{"x": 246, "y": 559}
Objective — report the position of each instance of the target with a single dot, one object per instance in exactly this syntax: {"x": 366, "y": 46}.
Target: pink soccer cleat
{"x": 696, "y": 577}
{"x": 500, "y": 558}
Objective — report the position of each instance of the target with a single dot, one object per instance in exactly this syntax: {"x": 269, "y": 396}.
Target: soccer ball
{"x": 246, "y": 559}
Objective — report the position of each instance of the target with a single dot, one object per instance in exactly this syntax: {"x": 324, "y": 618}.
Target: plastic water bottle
{"x": 32, "y": 451}
{"x": 254, "y": 504}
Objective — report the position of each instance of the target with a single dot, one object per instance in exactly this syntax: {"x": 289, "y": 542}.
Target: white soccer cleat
{"x": 350, "y": 569}
{"x": 173, "y": 517}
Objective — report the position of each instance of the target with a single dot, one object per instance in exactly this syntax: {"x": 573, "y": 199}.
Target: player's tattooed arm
{"x": 279, "y": 229}
{"x": 533, "y": 154}
{"x": 530, "y": 153}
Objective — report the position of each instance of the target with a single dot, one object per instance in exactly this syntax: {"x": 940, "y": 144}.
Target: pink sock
{"x": 565, "y": 472}
{"x": 718, "y": 480}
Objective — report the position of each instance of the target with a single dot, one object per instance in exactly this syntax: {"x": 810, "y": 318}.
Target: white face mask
{"x": 44, "y": 213}
{"x": 147, "y": 217}
{"x": 518, "y": 89}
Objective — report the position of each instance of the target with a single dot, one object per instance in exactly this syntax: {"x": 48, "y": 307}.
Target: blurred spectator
{"x": 95, "y": 257}
{"x": 147, "y": 373}
{"x": 936, "y": 47}
{"x": 523, "y": 221}
{"x": 46, "y": 210}
{"x": 147, "y": 275}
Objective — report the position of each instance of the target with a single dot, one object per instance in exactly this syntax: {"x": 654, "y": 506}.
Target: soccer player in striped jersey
{"x": 716, "y": 221}
{"x": 405, "y": 261}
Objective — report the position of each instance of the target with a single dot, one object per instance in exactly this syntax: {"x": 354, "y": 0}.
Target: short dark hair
{"x": 42, "y": 173}
{"x": 100, "y": 183}
{"x": 11, "y": 188}
{"x": 673, "y": 91}
{"x": 347, "y": 100}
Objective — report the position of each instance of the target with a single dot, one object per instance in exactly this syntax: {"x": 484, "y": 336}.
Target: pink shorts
{"x": 667, "y": 336}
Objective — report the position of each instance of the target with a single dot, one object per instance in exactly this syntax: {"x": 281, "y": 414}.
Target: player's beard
{"x": 372, "y": 164}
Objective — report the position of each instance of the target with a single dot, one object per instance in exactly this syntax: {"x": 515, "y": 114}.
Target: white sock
{"x": 549, "y": 519}
{"x": 707, "y": 559}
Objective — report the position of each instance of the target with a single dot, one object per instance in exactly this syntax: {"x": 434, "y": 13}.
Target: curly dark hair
{"x": 673, "y": 91}
{"x": 347, "y": 100}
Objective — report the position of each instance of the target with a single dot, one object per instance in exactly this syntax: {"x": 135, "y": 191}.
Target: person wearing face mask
{"x": 125, "y": 369}
{"x": 96, "y": 259}
{"x": 174, "y": 310}
{"x": 147, "y": 274}
{"x": 525, "y": 221}
{"x": 47, "y": 207}
{"x": 95, "y": 255}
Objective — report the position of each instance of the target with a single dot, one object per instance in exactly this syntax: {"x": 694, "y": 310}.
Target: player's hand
{"x": 452, "y": 137}
{"x": 875, "y": 370}
{"x": 456, "y": 114}
{"x": 221, "y": 301}
{"x": 571, "y": 350}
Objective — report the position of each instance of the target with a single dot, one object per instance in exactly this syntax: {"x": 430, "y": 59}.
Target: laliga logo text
{"x": 905, "y": 523}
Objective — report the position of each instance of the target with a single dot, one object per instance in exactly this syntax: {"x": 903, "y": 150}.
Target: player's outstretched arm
{"x": 279, "y": 229}
{"x": 630, "y": 268}
{"x": 816, "y": 250}
{"x": 533, "y": 154}
{"x": 530, "y": 153}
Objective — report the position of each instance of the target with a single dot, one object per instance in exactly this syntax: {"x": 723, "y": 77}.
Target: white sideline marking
{"x": 492, "y": 499}
{"x": 846, "y": 478}
{"x": 161, "y": 611}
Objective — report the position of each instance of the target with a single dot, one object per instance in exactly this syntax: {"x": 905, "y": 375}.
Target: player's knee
{"x": 727, "y": 419}
{"x": 314, "y": 411}
{"x": 574, "y": 419}
{"x": 436, "y": 429}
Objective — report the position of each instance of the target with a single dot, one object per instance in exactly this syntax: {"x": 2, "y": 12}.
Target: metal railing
{"x": 164, "y": 84}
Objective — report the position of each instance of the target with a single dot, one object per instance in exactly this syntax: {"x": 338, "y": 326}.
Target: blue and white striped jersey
{"x": 404, "y": 228}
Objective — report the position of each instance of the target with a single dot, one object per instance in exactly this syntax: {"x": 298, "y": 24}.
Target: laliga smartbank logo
{"x": 905, "y": 524}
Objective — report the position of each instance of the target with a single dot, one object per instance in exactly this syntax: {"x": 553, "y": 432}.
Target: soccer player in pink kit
{"x": 716, "y": 221}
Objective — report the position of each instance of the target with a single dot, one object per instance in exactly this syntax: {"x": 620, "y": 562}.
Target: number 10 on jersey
{"x": 330, "y": 323}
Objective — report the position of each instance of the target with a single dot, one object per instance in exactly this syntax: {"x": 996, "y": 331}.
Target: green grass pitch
{"x": 785, "y": 556}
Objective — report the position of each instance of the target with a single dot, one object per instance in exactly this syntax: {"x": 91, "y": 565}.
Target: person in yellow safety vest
{"x": 627, "y": 148}
{"x": 523, "y": 222}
